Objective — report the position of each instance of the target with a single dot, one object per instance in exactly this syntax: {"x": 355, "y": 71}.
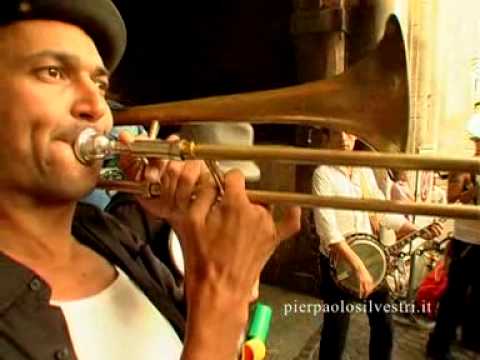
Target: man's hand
{"x": 226, "y": 238}
{"x": 189, "y": 201}
{"x": 429, "y": 233}
{"x": 226, "y": 242}
{"x": 365, "y": 280}
{"x": 433, "y": 231}
{"x": 366, "y": 285}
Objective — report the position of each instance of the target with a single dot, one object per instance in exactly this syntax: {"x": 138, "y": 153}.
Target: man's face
{"x": 52, "y": 85}
{"x": 340, "y": 140}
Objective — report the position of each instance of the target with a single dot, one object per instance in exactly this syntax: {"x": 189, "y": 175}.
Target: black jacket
{"x": 32, "y": 329}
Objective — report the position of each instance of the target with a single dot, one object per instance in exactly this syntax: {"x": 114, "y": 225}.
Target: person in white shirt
{"x": 332, "y": 227}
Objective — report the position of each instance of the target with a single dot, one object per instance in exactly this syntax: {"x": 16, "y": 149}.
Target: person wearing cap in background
{"x": 74, "y": 282}
{"x": 463, "y": 259}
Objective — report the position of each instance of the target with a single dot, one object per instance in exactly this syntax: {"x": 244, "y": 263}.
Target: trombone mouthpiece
{"x": 91, "y": 146}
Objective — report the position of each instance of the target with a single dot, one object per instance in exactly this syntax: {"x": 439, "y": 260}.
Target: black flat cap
{"x": 100, "y": 19}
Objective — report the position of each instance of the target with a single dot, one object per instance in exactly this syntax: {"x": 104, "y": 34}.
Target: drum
{"x": 373, "y": 256}
{"x": 176, "y": 253}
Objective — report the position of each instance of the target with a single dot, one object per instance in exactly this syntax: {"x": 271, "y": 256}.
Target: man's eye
{"x": 52, "y": 72}
{"x": 102, "y": 85}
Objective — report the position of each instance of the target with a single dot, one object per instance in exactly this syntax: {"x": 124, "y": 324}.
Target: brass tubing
{"x": 306, "y": 200}
{"x": 333, "y": 157}
{"x": 369, "y": 100}
{"x": 189, "y": 150}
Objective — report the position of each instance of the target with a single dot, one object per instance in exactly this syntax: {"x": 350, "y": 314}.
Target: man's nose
{"x": 90, "y": 103}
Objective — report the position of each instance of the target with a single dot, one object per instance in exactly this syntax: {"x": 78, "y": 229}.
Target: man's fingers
{"x": 290, "y": 223}
{"x": 154, "y": 171}
{"x": 361, "y": 290}
{"x": 186, "y": 183}
{"x": 255, "y": 291}
{"x": 234, "y": 183}
{"x": 170, "y": 180}
{"x": 172, "y": 138}
{"x": 433, "y": 231}
{"x": 366, "y": 289}
{"x": 437, "y": 229}
{"x": 131, "y": 165}
{"x": 205, "y": 196}
{"x": 126, "y": 137}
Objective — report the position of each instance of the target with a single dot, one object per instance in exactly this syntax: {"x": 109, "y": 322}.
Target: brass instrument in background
{"x": 370, "y": 100}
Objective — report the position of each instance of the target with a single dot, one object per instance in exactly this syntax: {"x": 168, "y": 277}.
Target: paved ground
{"x": 295, "y": 336}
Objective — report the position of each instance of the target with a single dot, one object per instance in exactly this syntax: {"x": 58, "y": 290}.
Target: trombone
{"x": 371, "y": 100}
{"x": 91, "y": 147}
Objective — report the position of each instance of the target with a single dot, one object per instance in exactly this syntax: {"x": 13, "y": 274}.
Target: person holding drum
{"x": 74, "y": 282}
{"x": 463, "y": 258}
{"x": 333, "y": 227}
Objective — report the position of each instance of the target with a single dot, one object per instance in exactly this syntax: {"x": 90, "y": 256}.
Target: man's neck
{"x": 35, "y": 230}
{"x": 347, "y": 170}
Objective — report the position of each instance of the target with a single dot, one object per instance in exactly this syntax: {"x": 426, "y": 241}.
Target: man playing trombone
{"x": 74, "y": 282}
{"x": 332, "y": 227}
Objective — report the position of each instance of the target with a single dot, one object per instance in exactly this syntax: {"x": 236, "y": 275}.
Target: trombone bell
{"x": 370, "y": 100}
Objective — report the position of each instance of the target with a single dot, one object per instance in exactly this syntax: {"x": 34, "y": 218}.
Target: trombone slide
{"x": 91, "y": 146}
{"x": 306, "y": 200}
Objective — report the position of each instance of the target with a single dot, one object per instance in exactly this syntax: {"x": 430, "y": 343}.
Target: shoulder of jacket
{"x": 104, "y": 227}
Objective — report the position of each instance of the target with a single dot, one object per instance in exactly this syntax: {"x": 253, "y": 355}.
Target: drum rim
{"x": 365, "y": 238}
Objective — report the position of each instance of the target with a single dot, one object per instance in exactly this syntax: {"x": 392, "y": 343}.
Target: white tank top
{"x": 467, "y": 230}
{"x": 119, "y": 323}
